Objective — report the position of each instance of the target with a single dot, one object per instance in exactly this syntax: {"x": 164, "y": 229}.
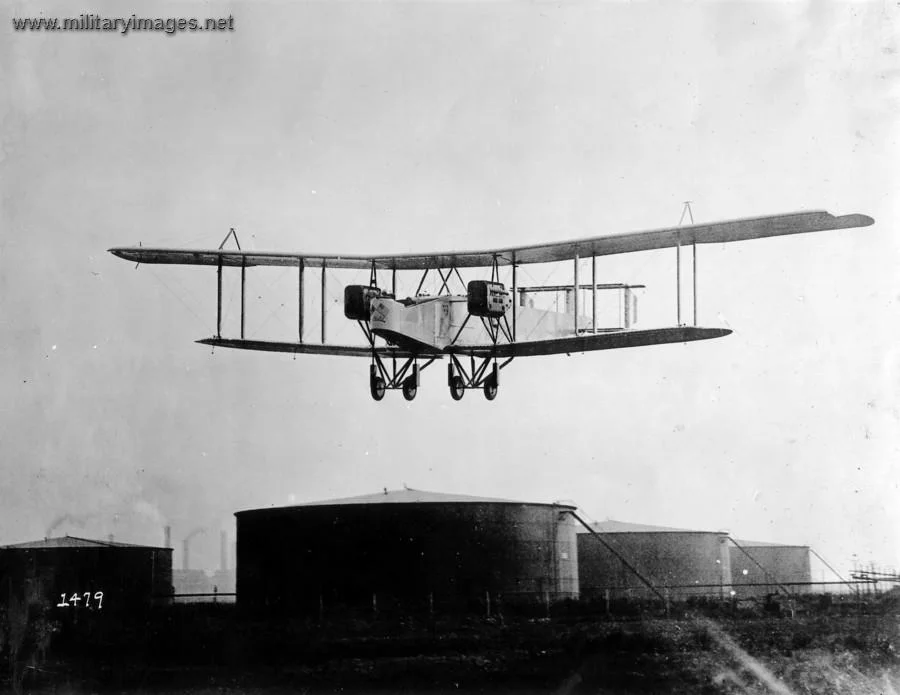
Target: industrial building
{"x": 759, "y": 569}
{"x": 70, "y": 575}
{"x": 623, "y": 558}
{"x": 405, "y": 548}
{"x": 198, "y": 585}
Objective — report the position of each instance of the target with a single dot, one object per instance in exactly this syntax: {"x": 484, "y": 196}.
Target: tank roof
{"x": 765, "y": 544}
{"x": 73, "y": 542}
{"x": 406, "y": 496}
{"x": 612, "y": 526}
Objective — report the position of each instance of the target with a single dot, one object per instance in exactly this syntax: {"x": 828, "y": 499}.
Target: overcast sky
{"x": 392, "y": 127}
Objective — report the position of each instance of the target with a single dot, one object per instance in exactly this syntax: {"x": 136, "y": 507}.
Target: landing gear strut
{"x": 485, "y": 376}
{"x": 403, "y": 377}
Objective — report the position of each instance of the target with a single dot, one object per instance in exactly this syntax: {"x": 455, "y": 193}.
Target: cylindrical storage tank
{"x": 85, "y": 586}
{"x": 420, "y": 550}
{"x": 759, "y": 568}
{"x": 679, "y": 562}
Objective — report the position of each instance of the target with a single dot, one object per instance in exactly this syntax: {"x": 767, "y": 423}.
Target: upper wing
{"x": 713, "y": 233}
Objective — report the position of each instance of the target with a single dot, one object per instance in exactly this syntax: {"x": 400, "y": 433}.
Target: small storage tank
{"x": 759, "y": 569}
{"x": 70, "y": 578}
{"x": 679, "y": 561}
{"x": 405, "y": 548}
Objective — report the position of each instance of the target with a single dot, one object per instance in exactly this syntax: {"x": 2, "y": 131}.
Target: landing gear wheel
{"x": 376, "y": 387}
{"x": 490, "y": 388}
{"x": 457, "y": 388}
{"x": 410, "y": 388}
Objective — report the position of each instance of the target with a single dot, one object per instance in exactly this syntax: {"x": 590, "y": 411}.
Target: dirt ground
{"x": 823, "y": 654}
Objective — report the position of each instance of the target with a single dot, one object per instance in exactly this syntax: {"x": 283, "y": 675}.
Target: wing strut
{"x": 694, "y": 258}
{"x": 231, "y": 234}
{"x": 594, "y": 288}
{"x": 323, "y": 302}
{"x": 219, "y": 300}
{"x": 678, "y": 279}
{"x": 300, "y": 300}
{"x": 515, "y": 298}
{"x": 243, "y": 284}
{"x": 575, "y": 292}
{"x": 686, "y": 211}
{"x": 421, "y": 282}
{"x": 445, "y": 280}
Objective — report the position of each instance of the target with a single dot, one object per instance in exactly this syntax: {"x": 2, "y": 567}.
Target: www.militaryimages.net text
{"x": 123, "y": 25}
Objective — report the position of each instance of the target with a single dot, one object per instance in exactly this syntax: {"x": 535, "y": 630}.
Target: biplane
{"x": 480, "y": 326}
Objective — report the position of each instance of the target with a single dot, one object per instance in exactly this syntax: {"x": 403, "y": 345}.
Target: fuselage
{"x": 436, "y": 322}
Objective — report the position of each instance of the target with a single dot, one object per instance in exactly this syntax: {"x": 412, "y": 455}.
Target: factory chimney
{"x": 184, "y": 560}
{"x": 223, "y": 550}
{"x": 167, "y": 534}
{"x": 187, "y": 540}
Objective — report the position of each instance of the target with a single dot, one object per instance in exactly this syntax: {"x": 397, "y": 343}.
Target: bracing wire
{"x": 538, "y": 284}
{"x": 277, "y": 307}
{"x": 180, "y": 300}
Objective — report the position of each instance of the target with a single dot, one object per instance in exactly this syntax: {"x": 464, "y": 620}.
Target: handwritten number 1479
{"x": 75, "y": 600}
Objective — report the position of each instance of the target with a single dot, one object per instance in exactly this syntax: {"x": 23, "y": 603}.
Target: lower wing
{"x": 583, "y": 343}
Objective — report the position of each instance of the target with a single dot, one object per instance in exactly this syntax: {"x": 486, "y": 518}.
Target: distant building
{"x": 199, "y": 586}
{"x": 405, "y": 548}
{"x": 680, "y": 561}
{"x": 69, "y": 576}
{"x": 186, "y": 582}
{"x": 759, "y": 569}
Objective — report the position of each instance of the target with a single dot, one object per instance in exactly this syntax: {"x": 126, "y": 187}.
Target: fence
{"x": 612, "y": 601}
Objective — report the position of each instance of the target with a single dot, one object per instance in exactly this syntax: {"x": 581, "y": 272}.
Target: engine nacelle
{"x": 489, "y": 299}
{"x": 358, "y": 301}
